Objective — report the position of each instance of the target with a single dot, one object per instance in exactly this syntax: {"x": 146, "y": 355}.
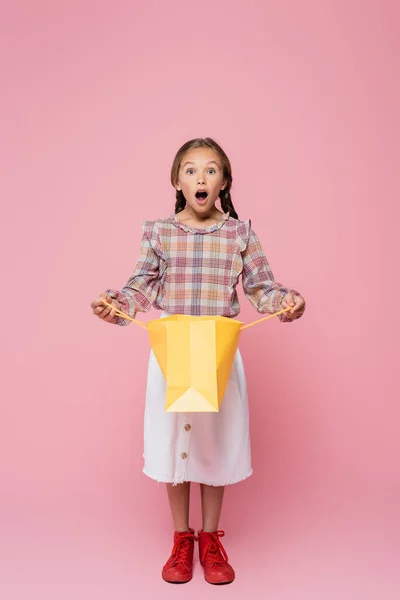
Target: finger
{"x": 110, "y": 316}
{"x": 106, "y": 311}
{"x": 103, "y": 312}
{"x": 109, "y": 300}
{"x": 106, "y": 297}
{"x": 290, "y": 299}
{"x": 96, "y": 304}
{"x": 299, "y": 304}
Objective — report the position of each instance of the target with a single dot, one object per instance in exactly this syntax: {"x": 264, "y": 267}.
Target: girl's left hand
{"x": 297, "y": 302}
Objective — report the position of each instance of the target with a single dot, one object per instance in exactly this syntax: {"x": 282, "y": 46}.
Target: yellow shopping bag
{"x": 195, "y": 355}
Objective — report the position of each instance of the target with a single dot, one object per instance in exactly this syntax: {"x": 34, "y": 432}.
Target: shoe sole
{"x": 218, "y": 582}
{"x": 176, "y": 582}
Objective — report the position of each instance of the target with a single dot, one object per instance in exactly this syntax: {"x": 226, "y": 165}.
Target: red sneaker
{"x": 214, "y": 559}
{"x": 179, "y": 566}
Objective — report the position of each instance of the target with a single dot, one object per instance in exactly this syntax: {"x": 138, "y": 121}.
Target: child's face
{"x": 201, "y": 178}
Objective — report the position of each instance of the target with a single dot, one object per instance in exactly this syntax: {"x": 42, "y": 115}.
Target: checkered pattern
{"x": 192, "y": 271}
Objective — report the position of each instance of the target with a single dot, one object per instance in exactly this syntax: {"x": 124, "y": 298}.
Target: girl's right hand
{"x": 105, "y": 313}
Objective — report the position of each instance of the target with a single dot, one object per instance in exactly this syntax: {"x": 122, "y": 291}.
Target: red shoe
{"x": 179, "y": 566}
{"x": 214, "y": 559}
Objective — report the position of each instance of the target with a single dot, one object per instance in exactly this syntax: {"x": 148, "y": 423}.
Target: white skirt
{"x": 211, "y": 448}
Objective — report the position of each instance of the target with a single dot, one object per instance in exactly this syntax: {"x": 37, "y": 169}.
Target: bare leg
{"x": 211, "y": 505}
{"x": 179, "y": 497}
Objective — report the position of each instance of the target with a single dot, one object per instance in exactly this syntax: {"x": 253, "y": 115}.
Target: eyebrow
{"x": 190, "y": 162}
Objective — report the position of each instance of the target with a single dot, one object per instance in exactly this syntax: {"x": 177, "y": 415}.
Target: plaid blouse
{"x": 194, "y": 271}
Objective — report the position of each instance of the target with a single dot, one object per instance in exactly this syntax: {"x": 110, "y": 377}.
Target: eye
{"x": 190, "y": 171}
{"x": 211, "y": 171}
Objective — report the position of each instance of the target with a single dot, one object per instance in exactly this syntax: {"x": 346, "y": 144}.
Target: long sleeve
{"x": 259, "y": 285}
{"x": 141, "y": 289}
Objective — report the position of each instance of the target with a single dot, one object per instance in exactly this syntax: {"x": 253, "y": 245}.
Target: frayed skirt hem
{"x": 176, "y": 482}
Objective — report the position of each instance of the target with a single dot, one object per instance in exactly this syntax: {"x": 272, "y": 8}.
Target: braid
{"x": 226, "y": 202}
{"x": 180, "y": 201}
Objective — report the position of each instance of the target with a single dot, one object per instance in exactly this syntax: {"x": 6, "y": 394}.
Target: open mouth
{"x": 201, "y": 195}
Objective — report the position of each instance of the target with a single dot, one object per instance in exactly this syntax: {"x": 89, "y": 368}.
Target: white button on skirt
{"x": 211, "y": 448}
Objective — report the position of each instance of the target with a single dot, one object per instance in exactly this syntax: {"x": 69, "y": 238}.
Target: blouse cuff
{"x": 125, "y": 307}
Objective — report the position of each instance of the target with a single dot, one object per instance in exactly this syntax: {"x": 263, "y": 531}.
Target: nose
{"x": 201, "y": 179}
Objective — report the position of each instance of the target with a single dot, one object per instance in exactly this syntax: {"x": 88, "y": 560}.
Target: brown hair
{"x": 224, "y": 195}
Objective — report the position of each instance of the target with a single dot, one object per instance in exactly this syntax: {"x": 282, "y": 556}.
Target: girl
{"x": 190, "y": 263}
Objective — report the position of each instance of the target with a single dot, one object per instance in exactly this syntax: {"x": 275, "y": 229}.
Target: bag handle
{"x": 265, "y": 318}
{"x": 124, "y": 316}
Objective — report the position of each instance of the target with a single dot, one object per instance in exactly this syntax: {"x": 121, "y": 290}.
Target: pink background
{"x": 97, "y": 98}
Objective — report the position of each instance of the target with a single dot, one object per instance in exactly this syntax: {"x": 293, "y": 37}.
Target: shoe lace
{"x": 181, "y": 549}
{"x": 214, "y": 552}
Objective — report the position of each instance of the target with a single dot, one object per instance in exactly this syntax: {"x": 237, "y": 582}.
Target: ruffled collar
{"x": 202, "y": 230}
